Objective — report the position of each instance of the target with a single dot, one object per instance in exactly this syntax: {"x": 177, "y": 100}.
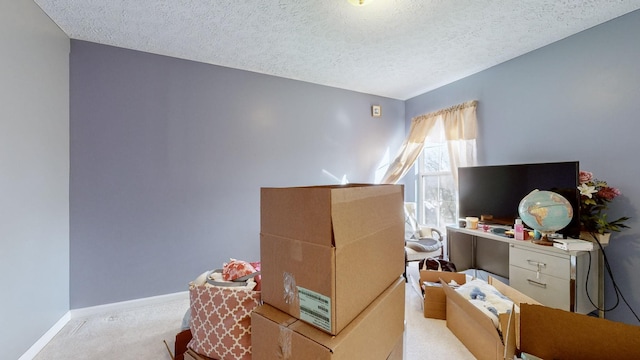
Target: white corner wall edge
{"x": 96, "y": 310}
{"x": 44, "y": 339}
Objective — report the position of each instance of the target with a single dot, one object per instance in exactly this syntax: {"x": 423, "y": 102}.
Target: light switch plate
{"x": 376, "y": 111}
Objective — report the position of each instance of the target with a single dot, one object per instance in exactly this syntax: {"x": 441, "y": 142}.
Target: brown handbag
{"x": 437, "y": 265}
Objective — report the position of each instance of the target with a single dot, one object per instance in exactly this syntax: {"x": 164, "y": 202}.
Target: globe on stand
{"x": 545, "y": 211}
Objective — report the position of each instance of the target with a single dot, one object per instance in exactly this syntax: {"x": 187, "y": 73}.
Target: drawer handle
{"x": 537, "y": 263}
{"x": 533, "y": 282}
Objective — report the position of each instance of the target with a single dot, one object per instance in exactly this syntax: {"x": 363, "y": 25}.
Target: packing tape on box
{"x": 290, "y": 288}
{"x": 284, "y": 342}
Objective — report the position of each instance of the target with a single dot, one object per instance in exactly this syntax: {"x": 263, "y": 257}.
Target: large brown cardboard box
{"x": 477, "y": 332}
{"x": 397, "y": 353}
{"x": 374, "y": 334}
{"x": 328, "y": 251}
{"x": 558, "y": 334}
{"x": 435, "y": 300}
{"x": 398, "y": 350}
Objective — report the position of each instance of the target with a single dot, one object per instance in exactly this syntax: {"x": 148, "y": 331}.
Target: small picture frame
{"x": 376, "y": 111}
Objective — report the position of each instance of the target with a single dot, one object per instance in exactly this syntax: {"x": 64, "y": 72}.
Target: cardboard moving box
{"x": 477, "y": 331}
{"x": 398, "y": 350}
{"x": 558, "y": 334}
{"x": 397, "y": 353}
{"x": 328, "y": 251}
{"x": 377, "y": 333}
{"x": 435, "y": 300}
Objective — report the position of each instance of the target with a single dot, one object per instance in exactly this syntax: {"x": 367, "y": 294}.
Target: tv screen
{"x": 497, "y": 190}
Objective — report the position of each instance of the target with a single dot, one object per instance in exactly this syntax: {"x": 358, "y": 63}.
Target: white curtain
{"x": 460, "y": 129}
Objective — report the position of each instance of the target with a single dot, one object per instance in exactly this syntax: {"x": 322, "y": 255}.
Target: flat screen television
{"x": 497, "y": 190}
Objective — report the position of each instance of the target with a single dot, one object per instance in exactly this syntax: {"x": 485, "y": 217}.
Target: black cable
{"x": 589, "y": 296}
{"x": 618, "y": 292}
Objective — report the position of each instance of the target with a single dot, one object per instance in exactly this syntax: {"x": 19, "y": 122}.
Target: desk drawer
{"x": 550, "y": 264}
{"x": 548, "y": 290}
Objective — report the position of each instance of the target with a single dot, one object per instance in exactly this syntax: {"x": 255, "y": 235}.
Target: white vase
{"x": 603, "y": 239}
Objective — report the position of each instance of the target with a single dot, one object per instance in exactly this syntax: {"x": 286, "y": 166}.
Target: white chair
{"x": 420, "y": 242}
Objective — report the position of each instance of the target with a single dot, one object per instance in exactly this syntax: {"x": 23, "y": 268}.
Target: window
{"x": 437, "y": 160}
{"x": 437, "y": 197}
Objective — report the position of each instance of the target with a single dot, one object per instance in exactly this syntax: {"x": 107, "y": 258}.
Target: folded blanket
{"x": 486, "y": 298}
{"x": 209, "y": 278}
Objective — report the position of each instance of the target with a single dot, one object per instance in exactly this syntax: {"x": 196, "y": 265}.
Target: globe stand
{"x": 546, "y": 212}
{"x": 544, "y": 240}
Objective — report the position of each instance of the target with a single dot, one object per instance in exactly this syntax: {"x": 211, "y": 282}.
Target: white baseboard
{"x": 44, "y": 340}
{"x": 127, "y": 305}
{"x": 96, "y": 310}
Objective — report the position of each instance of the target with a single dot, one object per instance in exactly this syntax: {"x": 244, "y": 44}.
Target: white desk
{"x": 554, "y": 277}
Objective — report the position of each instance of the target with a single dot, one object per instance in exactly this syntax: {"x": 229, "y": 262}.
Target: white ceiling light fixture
{"x": 360, "y": 2}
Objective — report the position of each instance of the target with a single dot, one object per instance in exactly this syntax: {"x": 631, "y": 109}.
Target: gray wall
{"x": 34, "y": 175}
{"x": 576, "y": 99}
{"x": 168, "y": 157}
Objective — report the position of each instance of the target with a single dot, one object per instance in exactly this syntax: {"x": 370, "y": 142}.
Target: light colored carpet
{"x": 140, "y": 333}
{"x": 131, "y": 334}
{"x": 427, "y": 339}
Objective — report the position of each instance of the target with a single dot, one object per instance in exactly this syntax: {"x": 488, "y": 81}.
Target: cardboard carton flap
{"x": 447, "y": 276}
{"x": 558, "y": 334}
{"x": 360, "y": 212}
{"x": 296, "y": 213}
{"x": 509, "y": 333}
{"x": 477, "y": 331}
{"x": 331, "y": 215}
{"x": 477, "y": 316}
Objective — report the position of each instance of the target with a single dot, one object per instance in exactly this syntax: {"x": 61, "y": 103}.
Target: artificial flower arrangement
{"x": 595, "y": 195}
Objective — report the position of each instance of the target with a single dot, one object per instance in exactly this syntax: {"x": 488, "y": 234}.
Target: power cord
{"x": 619, "y": 294}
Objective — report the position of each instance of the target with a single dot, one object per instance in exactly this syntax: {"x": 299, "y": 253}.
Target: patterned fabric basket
{"x": 221, "y": 319}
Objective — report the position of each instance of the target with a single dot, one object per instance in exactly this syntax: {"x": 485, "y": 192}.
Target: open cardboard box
{"x": 477, "y": 332}
{"x": 328, "y": 251}
{"x": 435, "y": 300}
{"x": 558, "y": 334}
{"x": 377, "y": 333}
{"x": 397, "y": 353}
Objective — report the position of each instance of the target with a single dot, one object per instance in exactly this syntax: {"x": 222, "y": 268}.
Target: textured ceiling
{"x": 392, "y": 48}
